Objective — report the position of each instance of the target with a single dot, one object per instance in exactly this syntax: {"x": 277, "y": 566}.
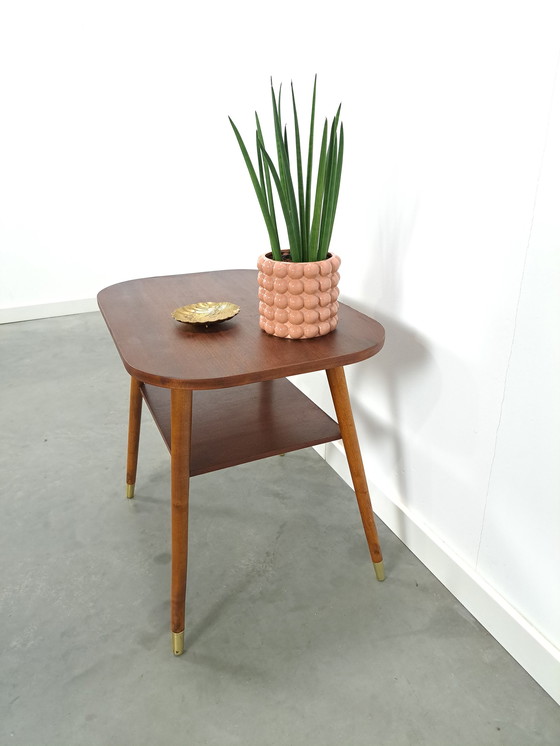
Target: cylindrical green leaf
{"x": 319, "y": 192}
{"x": 271, "y": 228}
{"x": 301, "y": 194}
{"x": 292, "y": 229}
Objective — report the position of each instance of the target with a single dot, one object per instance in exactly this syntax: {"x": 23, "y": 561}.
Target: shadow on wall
{"x": 406, "y": 379}
{"x": 404, "y": 376}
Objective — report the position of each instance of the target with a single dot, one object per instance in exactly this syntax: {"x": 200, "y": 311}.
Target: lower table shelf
{"x": 245, "y": 423}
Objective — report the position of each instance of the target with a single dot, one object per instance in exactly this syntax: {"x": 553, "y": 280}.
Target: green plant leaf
{"x": 310, "y": 169}
{"x": 319, "y": 191}
{"x": 286, "y": 184}
{"x": 327, "y": 218}
{"x": 268, "y": 185}
{"x": 301, "y": 194}
{"x": 271, "y": 228}
{"x": 277, "y": 118}
{"x": 325, "y": 215}
{"x": 286, "y": 144}
{"x": 292, "y": 236}
{"x": 260, "y": 162}
{"x": 336, "y": 188}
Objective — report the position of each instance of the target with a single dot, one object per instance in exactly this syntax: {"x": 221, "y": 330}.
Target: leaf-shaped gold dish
{"x": 207, "y": 312}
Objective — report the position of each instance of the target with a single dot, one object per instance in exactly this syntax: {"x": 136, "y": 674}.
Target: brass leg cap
{"x": 129, "y": 490}
{"x": 379, "y": 570}
{"x": 178, "y": 639}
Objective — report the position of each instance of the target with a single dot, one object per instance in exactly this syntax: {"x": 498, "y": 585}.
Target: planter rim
{"x": 268, "y": 255}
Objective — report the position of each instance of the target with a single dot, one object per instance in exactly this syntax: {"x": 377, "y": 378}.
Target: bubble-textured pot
{"x": 298, "y": 300}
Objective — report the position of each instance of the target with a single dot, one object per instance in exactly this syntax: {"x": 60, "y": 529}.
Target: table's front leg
{"x": 181, "y": 426}
{"x": 134, "y": 418}
{"x": 343, "y": 408}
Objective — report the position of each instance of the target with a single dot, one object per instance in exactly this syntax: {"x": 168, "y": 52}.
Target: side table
{"x": 220, "y": 397}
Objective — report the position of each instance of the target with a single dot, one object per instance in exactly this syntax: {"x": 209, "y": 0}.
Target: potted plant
{"x": 298, "y": 287}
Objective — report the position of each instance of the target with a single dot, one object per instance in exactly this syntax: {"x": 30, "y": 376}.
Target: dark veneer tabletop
{"x": 157, "y": 349}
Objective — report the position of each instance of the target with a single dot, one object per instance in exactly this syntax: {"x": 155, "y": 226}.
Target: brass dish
{"x": 207, "y": 312}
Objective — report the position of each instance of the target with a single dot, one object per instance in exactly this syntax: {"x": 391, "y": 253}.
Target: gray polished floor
{"x": 290, "y": 640}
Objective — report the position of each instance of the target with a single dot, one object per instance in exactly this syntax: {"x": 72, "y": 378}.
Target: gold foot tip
{"x": 178, "y": 642}
{"x": 130, "y": 491}
{"x": 379, "y": 570}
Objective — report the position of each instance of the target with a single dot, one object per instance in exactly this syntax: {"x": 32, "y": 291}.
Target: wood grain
{"x": 134, "y": 421}
{"x": 237, "y": 425}
{"x": 157, "y": 349}
{"x": 181, "y": 426}
{"x": 341, "y": 399}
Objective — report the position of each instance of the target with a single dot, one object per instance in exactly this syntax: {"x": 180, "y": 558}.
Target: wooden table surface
{"x": 157, "y": 349}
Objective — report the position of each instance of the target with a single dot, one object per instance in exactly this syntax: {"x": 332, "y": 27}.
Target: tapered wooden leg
{"x": 134, "y": 417}
{"x": 341, "y": 399}
{"x": 181, "y": 425}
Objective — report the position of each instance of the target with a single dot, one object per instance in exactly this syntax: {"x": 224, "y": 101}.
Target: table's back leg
{"x": 181, "y": 428}
{"x": 134, "y": 418}
{"x": 341, "y": 399}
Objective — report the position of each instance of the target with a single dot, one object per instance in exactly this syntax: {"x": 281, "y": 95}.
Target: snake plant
{"x": 309, "y": 216}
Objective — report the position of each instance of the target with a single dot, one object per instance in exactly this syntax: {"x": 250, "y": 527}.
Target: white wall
{"x": 117, "y": 161}
{"x": 524, "y": 482}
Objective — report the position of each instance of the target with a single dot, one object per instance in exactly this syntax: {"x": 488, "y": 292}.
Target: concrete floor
{"x": 290, "y": 640}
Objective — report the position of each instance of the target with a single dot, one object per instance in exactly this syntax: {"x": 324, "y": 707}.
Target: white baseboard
{"x": 47, "y": 310}
{"x": 537, "y": 655}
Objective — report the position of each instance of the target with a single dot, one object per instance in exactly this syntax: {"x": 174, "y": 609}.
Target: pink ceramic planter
{"x": 298, "y": 300}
